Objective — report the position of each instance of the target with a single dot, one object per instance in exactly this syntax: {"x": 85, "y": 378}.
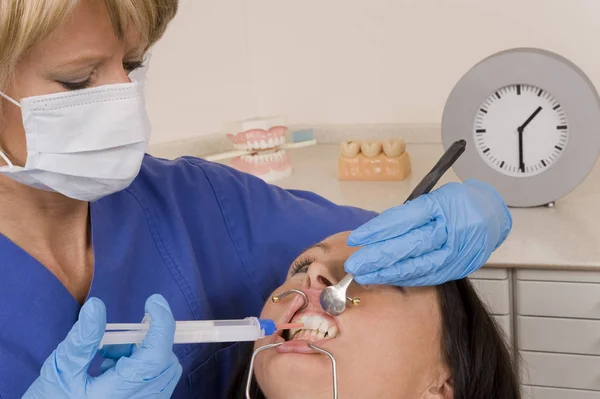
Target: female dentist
{"x": 92, "y": 229}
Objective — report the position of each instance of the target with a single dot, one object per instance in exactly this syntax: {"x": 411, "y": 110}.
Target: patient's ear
{"x": 443, "y": 388}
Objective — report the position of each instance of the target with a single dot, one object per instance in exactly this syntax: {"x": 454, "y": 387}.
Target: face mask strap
{"x": 5, "y": 158}
{"x": 2, "y": 154}
{"x": 12, "y": 101}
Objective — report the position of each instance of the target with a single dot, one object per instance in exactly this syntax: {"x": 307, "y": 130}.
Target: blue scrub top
{"x": 213, "y": 241}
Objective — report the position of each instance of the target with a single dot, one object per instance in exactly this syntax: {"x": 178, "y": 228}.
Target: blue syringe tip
{"x": 268, "y": 325}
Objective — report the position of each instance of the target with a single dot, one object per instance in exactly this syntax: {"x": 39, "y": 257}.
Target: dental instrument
{"x": 333, "y": 298}
{"x": 200, "y": 331}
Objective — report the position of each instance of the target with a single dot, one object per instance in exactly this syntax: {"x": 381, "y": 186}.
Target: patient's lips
{"x": 318, "y": 327}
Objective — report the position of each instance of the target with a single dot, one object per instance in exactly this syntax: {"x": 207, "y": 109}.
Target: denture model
{"x": 263, "y": 138}
{"x": 373, "y": 160}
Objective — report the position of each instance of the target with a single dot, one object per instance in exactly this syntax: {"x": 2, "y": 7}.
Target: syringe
{"x": 201, "y": 331}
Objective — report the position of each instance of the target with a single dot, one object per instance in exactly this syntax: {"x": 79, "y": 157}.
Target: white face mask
{"x": 84, "y": 144}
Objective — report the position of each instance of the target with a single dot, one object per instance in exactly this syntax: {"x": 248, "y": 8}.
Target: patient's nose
{"x": 320, "y": 276}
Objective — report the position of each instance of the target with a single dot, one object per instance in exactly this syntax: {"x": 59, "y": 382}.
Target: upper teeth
{"x": 319, "y": 326}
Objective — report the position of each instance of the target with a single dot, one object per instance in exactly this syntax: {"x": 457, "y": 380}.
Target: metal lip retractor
{"x": 270, "y": 346}
{"x": 277, "y": 298}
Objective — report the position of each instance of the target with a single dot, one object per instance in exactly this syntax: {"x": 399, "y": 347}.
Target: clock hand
{"x": 537, "y": 111}
{"x": 521, "y": 163}
{"x": 520, "y": 129}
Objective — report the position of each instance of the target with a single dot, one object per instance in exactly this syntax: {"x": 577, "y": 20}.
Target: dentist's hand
{"x": 441, "y": 236}
{"x": 151, "y": 371}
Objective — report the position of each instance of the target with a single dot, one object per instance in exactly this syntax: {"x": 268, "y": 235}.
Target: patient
{"x": 401, "y": 343}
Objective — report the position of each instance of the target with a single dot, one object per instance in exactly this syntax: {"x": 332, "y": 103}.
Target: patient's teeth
{"x": 312, "y": 323}
{"x": 350, "y": 149}
{"x": 323, "y": 326}
{"x": 321, "y": 334}
{"x": 394, "y": 148}
{"x": 332, "y": 332}
{"x": 371, "y": 148}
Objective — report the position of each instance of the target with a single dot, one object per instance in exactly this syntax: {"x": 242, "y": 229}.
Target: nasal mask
{"x": 84, "y": 144}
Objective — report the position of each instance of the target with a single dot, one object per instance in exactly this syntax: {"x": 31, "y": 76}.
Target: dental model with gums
{"x": 400, "y": 342}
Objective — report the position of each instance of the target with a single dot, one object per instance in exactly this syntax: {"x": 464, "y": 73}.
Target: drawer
{"x": 561, "y": 276}
{"x": 570, "y": 300}
{"x": 559, "y": 335}
{"x": 530, "y": 392}
{"x": 505, "y": 325}
{"x": 495, "y": 293}
{"x": 561, "y": 371}
{"x": 490, "y": 273}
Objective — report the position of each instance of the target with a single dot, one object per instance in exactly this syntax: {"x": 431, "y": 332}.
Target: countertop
{"x": 564, "y": 237}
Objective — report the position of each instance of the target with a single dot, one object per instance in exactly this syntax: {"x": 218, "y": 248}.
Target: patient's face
{"x": 386, "y": 347}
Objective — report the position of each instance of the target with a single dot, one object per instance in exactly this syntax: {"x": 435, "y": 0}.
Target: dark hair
{"x": 475, "y": 349}
{"x": 473, "y": 346}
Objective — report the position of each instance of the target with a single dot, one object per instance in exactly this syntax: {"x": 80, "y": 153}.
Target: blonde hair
{"x": 25, "y": 23}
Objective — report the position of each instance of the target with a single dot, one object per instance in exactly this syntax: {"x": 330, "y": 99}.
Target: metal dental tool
{"x": 277, "y": 298}
{"x": 270, "y": 346}
{"x": 333, "y": 298}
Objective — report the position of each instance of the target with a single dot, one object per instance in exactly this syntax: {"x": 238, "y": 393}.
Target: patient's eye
{"x": 301, "y": 265}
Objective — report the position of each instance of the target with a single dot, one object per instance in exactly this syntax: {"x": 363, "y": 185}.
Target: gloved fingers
{"x": 116, "y": 352}
{"x": 130, "y": 378}
{"x": 382, "y": 255}
{"x": 106, "y": 365}
{"x": 500, "y": 212}
{"x": 170, "y": 384}
{"x": 395, "y": 222}
{"x": 404, "y": 273}
{"x": 73, "y": 356}
{"x": 156, "y": 350}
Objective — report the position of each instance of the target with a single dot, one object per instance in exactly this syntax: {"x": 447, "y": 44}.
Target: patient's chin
{"x": 295, "y": 376}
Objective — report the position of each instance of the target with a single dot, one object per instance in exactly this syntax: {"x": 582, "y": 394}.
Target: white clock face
{"x": 521, "y": 130}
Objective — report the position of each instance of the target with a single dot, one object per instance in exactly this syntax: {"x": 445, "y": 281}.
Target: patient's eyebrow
{"x": 323, "y": 245}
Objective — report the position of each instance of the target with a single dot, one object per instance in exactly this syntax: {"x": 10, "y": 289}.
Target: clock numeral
{"x": 480, "y": 131}
{"x": 518, "y": 90}
{"x": 561, "y": 127}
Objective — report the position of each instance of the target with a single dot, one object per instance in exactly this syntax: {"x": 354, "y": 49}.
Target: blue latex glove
{"x": 151, "y": 371}
{"x": 441, "y": 236}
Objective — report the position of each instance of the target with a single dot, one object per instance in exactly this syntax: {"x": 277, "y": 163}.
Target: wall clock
{"x": 531, "y": 119}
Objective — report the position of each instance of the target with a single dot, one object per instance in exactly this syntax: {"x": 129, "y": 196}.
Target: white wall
{"x": 344, "y": 61}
